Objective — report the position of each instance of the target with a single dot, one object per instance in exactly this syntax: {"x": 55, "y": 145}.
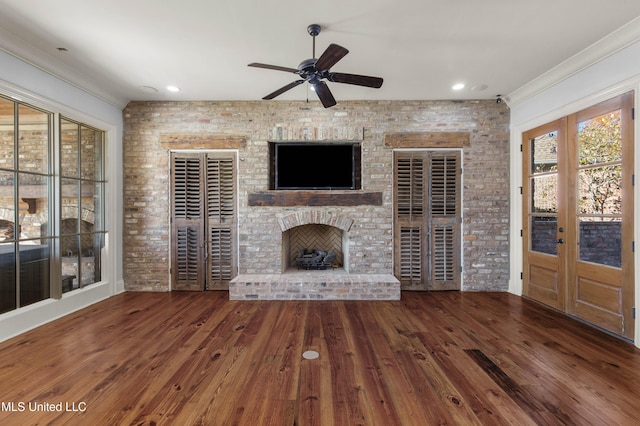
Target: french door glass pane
{"x": 544, "y": 153}
{"x": 600, "y": 139}
{"x": 600, "y": 190}
{"x": 543, "y": 234}
{"x": 544, "y": 193}
{"x": 544, "y": 190}
{"x": 601, "y": 240}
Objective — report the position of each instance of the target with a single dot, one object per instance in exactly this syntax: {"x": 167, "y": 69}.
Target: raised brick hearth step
{"x": 314, "y": 285}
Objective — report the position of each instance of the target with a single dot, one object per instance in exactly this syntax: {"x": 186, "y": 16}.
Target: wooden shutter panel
{"x": 443, "y": 254}
{"x": 410, "y": 187}
{"x": 187, "y": 222}
{"x": 221, "y": 212}
{"x": 411, "y": 255}
{"x": 410, "y": 206}
{"x": 221, "y": 263}
{"x": 187, "y": 255}
{"x": 444, "y": 189}
{"x": 444, "y": 185}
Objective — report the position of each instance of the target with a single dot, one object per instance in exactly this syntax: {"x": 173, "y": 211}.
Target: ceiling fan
{"x": 315, "y": 70}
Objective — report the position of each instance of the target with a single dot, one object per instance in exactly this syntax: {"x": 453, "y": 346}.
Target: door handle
{"x": 560, "y": 241}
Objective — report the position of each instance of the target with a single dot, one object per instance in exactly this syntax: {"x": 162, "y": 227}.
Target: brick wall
{"x": 146, "y": 179}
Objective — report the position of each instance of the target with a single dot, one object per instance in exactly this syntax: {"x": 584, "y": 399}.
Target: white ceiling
{"x": 420, "y": 47}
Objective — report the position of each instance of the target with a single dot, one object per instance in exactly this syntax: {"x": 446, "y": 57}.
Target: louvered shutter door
{"x": 187, "y": 222}
{"x": 427, "y": 220}
{"x": 409, "y": 220}
{"x": 445, "y": 181}
{"x": 221, "y": 212}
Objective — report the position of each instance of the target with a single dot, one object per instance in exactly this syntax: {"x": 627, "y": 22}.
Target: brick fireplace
{"x": 314, "y": 229}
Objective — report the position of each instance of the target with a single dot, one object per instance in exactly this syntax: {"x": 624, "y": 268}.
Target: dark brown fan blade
{"x": 330, "y": 57}
{"x": 273, "y": 67}
{"x": 358, "y": 80}
{"x": 323, "y": 92}
{"x": 281, "y": 90}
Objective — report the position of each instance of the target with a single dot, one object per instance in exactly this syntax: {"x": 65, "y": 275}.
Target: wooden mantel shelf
{"x": 314, "y": 198}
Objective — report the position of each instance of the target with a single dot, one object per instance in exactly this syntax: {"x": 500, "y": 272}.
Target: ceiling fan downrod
{"x": 314, "y": 30}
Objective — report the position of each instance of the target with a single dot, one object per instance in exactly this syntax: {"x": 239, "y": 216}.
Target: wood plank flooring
{"x": 430, "y": 359}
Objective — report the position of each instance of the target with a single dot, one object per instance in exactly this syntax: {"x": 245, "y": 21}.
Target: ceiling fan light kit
{"x": 313, "y": 71}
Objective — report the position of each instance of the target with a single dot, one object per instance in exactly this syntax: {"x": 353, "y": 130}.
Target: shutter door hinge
{"x": 520, "y": 147}
{"x": 633, "y": 311}
{"x": 633, "y": 113}
{"x": 520, "y": 190}
{"x": 633, "y": 246}
{"x": 521, "y": 276}
{"x": 521, "y": 233}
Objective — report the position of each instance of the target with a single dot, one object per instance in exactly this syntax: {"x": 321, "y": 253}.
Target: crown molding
{"x": 598, "y": 51}
{"x": 45, "y": 62}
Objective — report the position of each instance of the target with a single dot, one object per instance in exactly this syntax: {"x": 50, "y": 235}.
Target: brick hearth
{"x": 314, "y": 285}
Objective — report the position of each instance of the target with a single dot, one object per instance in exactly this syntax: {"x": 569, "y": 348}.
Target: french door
{"x": 427, "y": 219}
{"x": 203, "y": 221}
{"x": 578, "y": 214}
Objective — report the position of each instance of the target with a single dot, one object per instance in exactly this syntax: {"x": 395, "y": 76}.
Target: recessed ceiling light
{"x": 479, "y": 87}
{"x": 149, "y": 89}
{"x": 173, "y": 88}
{"x": 458, "y": 86}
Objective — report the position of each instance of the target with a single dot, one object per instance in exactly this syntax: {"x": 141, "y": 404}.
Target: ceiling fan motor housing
{"x": 307, "y": 68}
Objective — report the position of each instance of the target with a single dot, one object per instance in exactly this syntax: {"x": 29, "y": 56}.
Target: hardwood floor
{"x": 429, "y": 359}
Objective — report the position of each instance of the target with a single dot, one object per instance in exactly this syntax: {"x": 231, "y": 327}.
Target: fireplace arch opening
{"x": 311, "y": 239}
{"x": 315, "y": 230}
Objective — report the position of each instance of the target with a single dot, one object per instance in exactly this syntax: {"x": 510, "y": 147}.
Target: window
{"x": 82, "y": 188}
{"x": 25, "y": 195}
{"x": 50, "y": 235}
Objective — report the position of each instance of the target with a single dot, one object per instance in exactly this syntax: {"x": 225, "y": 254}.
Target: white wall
{"x": 607, "y": 77}
{"x": 32, "y": 85}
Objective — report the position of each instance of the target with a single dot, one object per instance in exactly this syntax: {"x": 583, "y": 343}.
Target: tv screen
{"x": 315, "y": 165}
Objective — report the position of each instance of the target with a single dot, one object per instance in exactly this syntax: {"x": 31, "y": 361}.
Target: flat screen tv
{"x": 310, "y": 165}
